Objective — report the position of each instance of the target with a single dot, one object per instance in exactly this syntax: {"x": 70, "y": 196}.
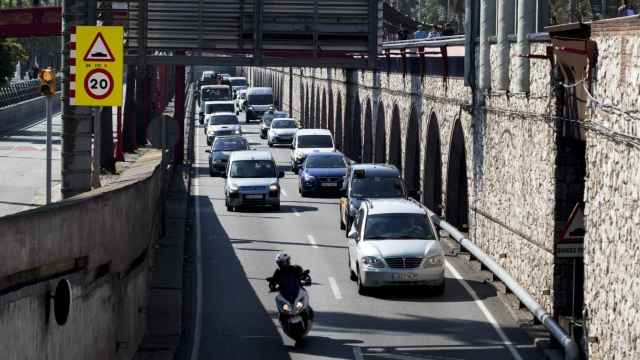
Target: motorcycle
{"x": 296, "y": 317}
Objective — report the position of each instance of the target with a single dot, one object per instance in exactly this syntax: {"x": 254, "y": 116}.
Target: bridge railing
{"x": 435, "y": 42}
{"x": 21, "y": 91}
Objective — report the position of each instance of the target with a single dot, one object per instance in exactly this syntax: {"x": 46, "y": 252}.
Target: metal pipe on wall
{"x": 526, "y": 13}
{"x": 487, "y": 22}
{"x": 506, "y": 12}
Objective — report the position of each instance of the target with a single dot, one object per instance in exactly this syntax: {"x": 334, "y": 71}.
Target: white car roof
{"x": 259, "y": 91}
{"x": 288, "y": 119}
{"x": 303, "y": 132}
{"x": 394, "y": 206}
{"x": 225, "y": 113}
{"x": 219, "y": 102}
{"x": 215, "y": 86}
{"x": 250, "y": 155}
{"x": 237, "y": 78}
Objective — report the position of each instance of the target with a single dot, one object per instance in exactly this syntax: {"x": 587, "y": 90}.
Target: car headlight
{"x": 233, "y": 188}
{"x": 250, "y": 107}
{"x": 373, "y": 262}
{"x": 274, "y": 187}
{"x": 308, "y": 177}
{"x": 237, "y": 131}
{"x": 433, "y": 261}
{"x": 300, "y": 156}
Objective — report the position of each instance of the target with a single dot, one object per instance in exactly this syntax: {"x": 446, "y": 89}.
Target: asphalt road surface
{"x": 235, "y": 315}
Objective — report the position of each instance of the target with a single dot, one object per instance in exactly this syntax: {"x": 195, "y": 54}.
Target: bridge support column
{"x": 179, "y": 114}
{"x": 506, "y": 15}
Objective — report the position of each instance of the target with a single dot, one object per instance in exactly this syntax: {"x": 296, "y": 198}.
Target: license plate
{"x": 253, "y": 197}
{"x": 404, "y": 276}
{"x": 329, "y": 184}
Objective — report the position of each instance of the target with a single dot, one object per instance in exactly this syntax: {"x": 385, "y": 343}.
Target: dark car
{"x": 221, "y": 149}
{"x": 322, "y": 173}
{"x": 369, "y": 181}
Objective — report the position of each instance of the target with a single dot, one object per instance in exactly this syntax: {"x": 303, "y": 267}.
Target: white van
{"x": 259, "y": 99}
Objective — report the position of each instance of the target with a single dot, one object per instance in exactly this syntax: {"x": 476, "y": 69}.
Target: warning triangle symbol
{"x": 99, "y": 50}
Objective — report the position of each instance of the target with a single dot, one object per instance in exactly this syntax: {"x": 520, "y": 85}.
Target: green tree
{"x": 10, "y": 52}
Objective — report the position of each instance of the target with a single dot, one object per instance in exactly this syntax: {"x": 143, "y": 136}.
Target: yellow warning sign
{"x": 99, "y": 65}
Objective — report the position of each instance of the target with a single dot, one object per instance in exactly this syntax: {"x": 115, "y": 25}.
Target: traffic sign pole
{"x": 49, "y": 146}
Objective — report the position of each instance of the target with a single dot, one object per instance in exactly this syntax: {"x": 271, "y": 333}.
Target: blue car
{"x": 322, "y": 173}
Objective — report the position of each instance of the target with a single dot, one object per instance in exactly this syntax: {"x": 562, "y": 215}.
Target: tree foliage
{"x": 10, "y": 52}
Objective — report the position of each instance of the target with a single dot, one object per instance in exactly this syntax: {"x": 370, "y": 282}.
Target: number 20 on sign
{"x": 99, "y": 65}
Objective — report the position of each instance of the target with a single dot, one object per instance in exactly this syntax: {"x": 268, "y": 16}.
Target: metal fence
{"x": 20, "y": 91}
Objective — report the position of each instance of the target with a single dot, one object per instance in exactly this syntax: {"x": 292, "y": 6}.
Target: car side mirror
{"x": 281, "y": 174}
{"x": 353, "y": 234}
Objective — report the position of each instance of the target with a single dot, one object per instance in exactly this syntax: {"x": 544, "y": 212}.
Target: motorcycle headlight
{"x": 233, "y": 188}
{"x": 274, "y": 187}
{"x": 372, "y": 261}
{"x": 299, "y": 305}
{"x": 433, "y": 261}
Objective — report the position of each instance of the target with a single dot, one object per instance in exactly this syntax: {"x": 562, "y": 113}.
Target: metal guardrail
{"x": 21, "y": 91}
{"x": 427, "y": 43}
{"x": 568, "y": 344}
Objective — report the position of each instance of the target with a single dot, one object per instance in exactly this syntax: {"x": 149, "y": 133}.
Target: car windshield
{"x": 260, "y": 99}
{"x": 283, "y": 124}
{"x": 377, "y": 187}
{"x": 207, "y": 75}
{"x": 223, "y": 120}
{"x": 230, "y": 144}
{"x": 268, "y": 117}
{"x": 239, "y": 82}
{"x": 398, "y": 226}
{"x": 315, "y": 141}
{"x": 212, "y": 108}
{"x": 325, "y": 162}
{"x": 253, "y": 169}
{"x": 214, "y": 94}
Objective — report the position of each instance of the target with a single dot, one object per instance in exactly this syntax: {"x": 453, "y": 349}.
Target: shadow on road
{"x": 247, "y": 241}
{"x": 235, "y": 325}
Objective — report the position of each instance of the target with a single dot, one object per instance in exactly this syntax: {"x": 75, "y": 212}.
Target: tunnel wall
{"x": 98, "y": 241}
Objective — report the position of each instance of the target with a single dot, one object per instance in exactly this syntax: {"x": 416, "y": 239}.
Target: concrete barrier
{"x": 99, "y": 241}
{"x": 25, "y": 113}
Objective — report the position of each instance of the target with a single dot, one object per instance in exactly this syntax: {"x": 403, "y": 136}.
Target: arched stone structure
{"x": 356, "y": 125}
{"x": 412, "y": 154}
{"x": 330, "y": 114}
{"x": 367, "y": 148}
{"x": 432, "y": 178}
{"x": 395, "y": 139}
{"x": 380, "y": 153}
{"x": 323, "y": 111}
{"x": 339, "y": 129}
{"x": 316, "y": 114}
{"x": 457, "y": 212}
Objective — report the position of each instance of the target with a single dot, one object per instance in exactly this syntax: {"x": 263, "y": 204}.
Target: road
{"x": 23, "y": 160}
{"x": 235, "y": 315}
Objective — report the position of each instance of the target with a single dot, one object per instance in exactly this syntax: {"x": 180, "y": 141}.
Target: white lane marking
{"x": 295, "y": 212}
{"x": 284, "y": 193}
{"x": 195, "y": 350}
{"x": 312, "y": 241}
{"x": 487, "y": 314}
{"x": 357, "y": 353}
{"x": 334, "y": 287}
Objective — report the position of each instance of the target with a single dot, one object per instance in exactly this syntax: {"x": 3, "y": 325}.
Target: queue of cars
{"x": 391, "y": 238}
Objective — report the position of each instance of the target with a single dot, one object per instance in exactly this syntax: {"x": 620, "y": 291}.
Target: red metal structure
{"x": 28, "y": 22}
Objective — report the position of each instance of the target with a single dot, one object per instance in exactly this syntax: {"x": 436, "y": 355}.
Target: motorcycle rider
{"x": 286, "y": 278}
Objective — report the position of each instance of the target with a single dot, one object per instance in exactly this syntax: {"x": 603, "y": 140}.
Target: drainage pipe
{"x": 567, "y": 343}
{"x": 506, "y": 17}
{"x": 526, "y": 13}
{"x": 487, "y": 22}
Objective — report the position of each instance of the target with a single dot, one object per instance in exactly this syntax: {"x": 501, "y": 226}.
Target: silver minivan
{"x": 259, "y": 99}
{"x": 252, "y": 179}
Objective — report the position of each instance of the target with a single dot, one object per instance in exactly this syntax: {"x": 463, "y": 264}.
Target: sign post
{"x": 47, "y": 79}
{"x": 49, "y": 129}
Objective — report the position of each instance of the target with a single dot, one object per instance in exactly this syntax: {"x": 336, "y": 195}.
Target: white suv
{"x": 393, "y": 242}
{"x": 307, "y": 141}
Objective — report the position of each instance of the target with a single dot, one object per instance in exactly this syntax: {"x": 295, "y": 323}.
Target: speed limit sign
{"x": 96, "y": 71}
{"x": 98, "y": 84}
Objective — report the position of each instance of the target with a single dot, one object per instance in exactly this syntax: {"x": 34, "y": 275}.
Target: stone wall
{"x": 612, "y": 269}
{"x": 99, "y": 241}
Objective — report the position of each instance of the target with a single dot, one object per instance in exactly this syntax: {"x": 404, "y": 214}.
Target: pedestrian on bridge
{"x": 420, "y": 33}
